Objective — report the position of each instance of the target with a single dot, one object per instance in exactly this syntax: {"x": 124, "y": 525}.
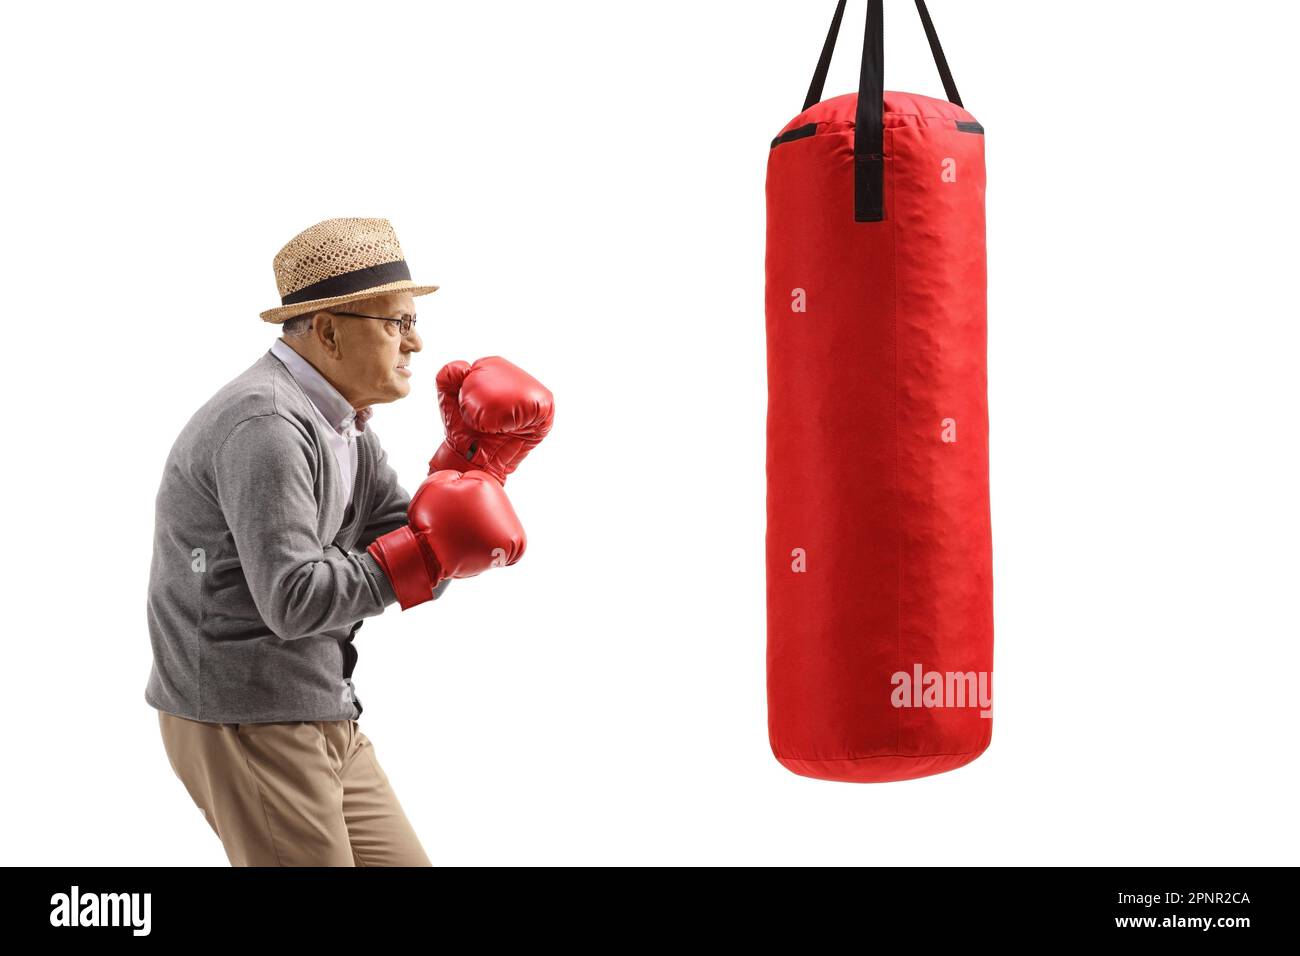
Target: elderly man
{"x": 280, "y": 526}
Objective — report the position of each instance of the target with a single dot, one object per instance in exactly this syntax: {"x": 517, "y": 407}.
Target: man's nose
{"x": 412, "y": 342}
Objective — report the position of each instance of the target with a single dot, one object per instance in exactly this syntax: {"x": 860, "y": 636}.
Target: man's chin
{"x": 394, "y": 393}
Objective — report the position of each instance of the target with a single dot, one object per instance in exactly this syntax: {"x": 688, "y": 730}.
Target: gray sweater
{"x": 259, "y": 578}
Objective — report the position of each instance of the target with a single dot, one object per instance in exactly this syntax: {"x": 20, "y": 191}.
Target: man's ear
{"x": 326, "y": 333}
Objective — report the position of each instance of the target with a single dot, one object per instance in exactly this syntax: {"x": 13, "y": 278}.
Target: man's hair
{"x": 300, "y": 325}
{"x": 297, "y": 326}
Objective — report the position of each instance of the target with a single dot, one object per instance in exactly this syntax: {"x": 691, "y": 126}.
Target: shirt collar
{"x": 335, "y": 409}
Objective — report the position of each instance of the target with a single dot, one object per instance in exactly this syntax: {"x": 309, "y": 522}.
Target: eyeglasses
{"x": 405, "y": 324}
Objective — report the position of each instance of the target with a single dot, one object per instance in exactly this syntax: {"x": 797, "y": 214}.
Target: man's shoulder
{"x": 264, "y": 390}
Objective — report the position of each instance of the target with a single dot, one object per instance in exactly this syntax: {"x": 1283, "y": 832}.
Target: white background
{"x": 585, "y": 181}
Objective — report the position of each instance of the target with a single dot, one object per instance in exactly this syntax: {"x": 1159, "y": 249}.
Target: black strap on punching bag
{"x": 869, "y": 134}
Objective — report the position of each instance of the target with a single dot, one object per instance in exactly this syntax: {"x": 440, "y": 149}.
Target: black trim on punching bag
{"x": 869, "y": 149}
{"x": 808, "y": 129}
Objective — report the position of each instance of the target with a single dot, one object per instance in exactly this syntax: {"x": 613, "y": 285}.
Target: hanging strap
{"x": 869, "y": 135}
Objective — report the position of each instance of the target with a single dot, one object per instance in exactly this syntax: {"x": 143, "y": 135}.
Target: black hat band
{"x": 355, "y": 281}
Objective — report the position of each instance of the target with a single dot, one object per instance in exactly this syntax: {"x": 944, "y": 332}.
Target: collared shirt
{"x": 343, "y": 420}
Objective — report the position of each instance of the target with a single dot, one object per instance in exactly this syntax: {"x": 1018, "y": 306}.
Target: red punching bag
{"x": 879, "y": 583}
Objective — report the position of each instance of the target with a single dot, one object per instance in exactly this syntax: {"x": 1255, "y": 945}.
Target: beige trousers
{"x": 302, "y": 793}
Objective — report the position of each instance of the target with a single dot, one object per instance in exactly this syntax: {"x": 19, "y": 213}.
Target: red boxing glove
{"x": 495, "y": 413}
{"x": 460, "y": 525}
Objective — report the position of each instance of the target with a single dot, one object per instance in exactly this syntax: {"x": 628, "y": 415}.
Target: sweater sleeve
{"x": 265, "y": 485}
{"x": 388, "y": 501}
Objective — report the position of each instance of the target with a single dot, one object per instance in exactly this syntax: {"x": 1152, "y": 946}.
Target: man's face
{"x": 366, "y": 359}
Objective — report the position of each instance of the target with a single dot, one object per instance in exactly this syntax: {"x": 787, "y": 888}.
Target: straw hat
{"x": 337, "y": 261}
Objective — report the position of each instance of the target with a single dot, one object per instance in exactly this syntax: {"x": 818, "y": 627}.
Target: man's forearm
{"x": 267, "y": 492}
